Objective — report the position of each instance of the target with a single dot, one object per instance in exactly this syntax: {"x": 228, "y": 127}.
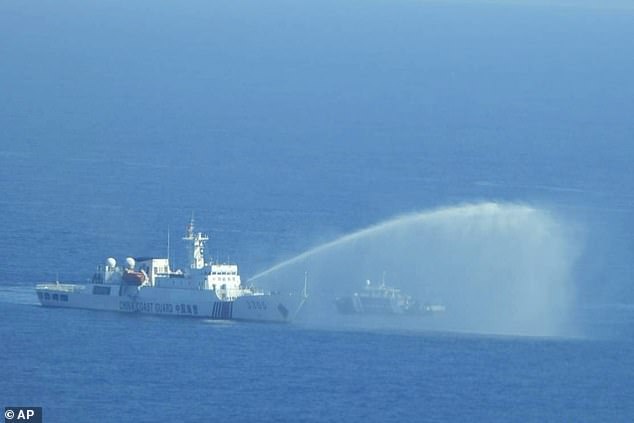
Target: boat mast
{"x": 304, "y": 297}
{"x": 196, "y": 246}
{"x": 168, "y": 244}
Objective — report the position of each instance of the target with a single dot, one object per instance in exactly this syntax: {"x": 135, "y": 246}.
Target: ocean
{"x": 477, "y": 154}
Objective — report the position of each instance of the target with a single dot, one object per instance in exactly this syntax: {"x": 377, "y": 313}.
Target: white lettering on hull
{"x": 159, "y": 308}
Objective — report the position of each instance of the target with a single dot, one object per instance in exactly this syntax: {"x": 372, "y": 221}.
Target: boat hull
{"x": 357, "y": 304}
{"x": 362, "y": 305}
{"x": 171, "y": 302}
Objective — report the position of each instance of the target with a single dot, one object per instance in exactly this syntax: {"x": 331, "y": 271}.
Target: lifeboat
{"x": 133, "y": 277}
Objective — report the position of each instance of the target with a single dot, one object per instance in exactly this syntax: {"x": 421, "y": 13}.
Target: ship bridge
{"x": 225, "y": 280}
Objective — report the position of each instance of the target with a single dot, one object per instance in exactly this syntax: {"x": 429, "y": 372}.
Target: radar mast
{"x": 195, "y": 246}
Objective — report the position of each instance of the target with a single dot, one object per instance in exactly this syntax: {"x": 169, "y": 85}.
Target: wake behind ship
{"x": 149, "y": 285}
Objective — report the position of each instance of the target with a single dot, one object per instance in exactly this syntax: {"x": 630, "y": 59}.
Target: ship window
{"x": 39, "y": 295}
{"x": 55, "y": 297}
{"x": 47, "y": 296}
{"x": 101, "y": 290}
{"x": 63, "y": 297}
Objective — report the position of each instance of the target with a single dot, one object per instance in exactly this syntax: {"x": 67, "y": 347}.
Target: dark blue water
{"x": 108, "y": 367}
{"x": 284, "y": 125}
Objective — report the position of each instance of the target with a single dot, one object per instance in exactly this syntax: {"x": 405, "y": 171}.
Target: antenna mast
{"x": 303, "y": 298}
{"x": 196, "y": 242}
{"x": 168, "y": 244}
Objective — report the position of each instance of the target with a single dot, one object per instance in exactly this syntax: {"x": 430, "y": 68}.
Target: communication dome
{"x": 110, "y": 262}
{"x": 130, "y": 262}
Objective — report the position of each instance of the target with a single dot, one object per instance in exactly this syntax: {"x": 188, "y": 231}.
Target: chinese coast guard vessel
{"x": 382, "y": 299}
{"x": 149, "y": 285}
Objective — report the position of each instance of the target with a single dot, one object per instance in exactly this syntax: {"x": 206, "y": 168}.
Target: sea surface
{"x": 478, "y": 152}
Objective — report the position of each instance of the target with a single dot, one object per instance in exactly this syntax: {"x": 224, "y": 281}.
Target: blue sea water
{"x": 285, "y": 125}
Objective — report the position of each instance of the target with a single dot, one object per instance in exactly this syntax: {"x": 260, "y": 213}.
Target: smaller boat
{"x": 382, "y": 299}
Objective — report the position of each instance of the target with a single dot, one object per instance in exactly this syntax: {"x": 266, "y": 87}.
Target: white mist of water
{"x": 498, "y": 268}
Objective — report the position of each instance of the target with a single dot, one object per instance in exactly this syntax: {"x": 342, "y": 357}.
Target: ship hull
{"x": 357, "y": 304}
{"x": 362, "y": 305}
{"x": 171, "y": 302}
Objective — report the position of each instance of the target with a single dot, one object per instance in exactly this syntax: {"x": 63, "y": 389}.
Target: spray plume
{"x": 498, "y": 268}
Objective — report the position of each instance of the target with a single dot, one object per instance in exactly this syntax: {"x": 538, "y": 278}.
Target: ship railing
{"x": 63, "y": 287}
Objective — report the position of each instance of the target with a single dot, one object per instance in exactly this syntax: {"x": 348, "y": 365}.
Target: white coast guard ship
{"x": 149, "y": 285}
{"x": 382, "y": 299}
